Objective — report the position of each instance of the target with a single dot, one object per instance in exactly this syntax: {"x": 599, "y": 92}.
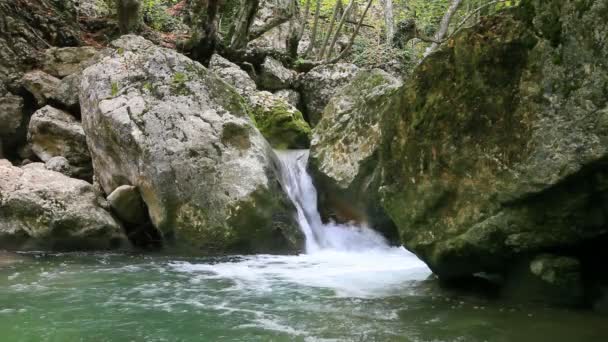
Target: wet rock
{"x": 55, "y": 133}
{"x": 320, "y": 84}
{"x": 274, "y": 76}
{"x": 184, "y": 138}
{"x": 561, "y": 277}
{"x": 41, "y": 85}
{"x": 42, "y": 209}
{"x": 62, "y": 62}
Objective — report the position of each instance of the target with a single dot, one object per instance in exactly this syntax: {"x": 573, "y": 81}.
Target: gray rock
{"x": 42, "y": 209}
{"x": 281, "y": 123}
{"x": 232, "y": 74}
{"x": 345, "y": 150}
{"x": 491, "y": 153}
{"x": 11, "y": 114}
{"x": 53, "y": 132}
{"x": 27, "y": 29}
{"x": 274, "y": 76}
{"x": 41, "y": 85}
{"x": 320, "y": 84}
{"x": 59, "y": 164}
{"x": 66, "y": 94}
{"x": 290, "y": 96}
{"x": 61, "y": 62}
{"x": 184, "y": 139}
{"x": 127, "y": 204}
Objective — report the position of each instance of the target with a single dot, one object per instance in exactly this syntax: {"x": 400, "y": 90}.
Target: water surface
{"x": 329, "y": 296}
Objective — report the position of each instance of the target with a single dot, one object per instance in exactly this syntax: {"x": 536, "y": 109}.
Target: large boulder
{"x": 495, "y": 150}
{"x": 184, "y": 138}
{"x": 55, "y": 133}
{"x": 345, "y": 150}
{"x": 42, "y": 209}
{"x": 320, "y": 84}
{"x": 280, "y": 122}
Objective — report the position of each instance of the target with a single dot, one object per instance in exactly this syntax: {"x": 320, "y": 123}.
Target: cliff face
{"x": 496, "y": 149}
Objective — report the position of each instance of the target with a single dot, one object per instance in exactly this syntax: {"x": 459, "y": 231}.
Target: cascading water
{"x": 338, "y": 237}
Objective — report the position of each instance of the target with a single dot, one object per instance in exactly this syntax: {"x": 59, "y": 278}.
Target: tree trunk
{"x": 304, "y": 20}
{"x": 331, "y": 28}
{"x": 244, "y": 19}
{"x": 130, "y": 18}
{"x": 389, "y": 20}
{"x": 205, "y": 27}
{"x": 354, "y": 35}
{"x": 339, "y": 29}
{"x": 443, "y": 27}
{"x": 315, "y": 27}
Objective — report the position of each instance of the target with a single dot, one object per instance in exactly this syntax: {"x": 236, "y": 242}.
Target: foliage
{"x": 156, "y": 16}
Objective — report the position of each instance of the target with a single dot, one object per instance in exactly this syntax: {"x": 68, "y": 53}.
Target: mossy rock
{"x": 279, "y": 122}
{"x": 496, "y": 147}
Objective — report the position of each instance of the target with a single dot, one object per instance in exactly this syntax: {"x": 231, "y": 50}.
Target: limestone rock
{"x": 232, "y": 74}
{"x": 320, "y": 84}
{"x": 66, "y": 94}
{"x": 290, "y": 96}
{"x": 127, "y": 204}
{"x": 345, "y": 150}
{"x": 280, "y": 122}
{"x": 53, "y": 132}
{"x": 184, "y": 138}
{"x": 41, "y": 85}
{"x": 274, "y": 76}
{"x": 59, "y": 164}
{"x": 28, "y": 27}
{"x": 42, "y": 209}
{"x": 491, "y": 153}
{"x": 62, "y": 62}
{"x": 11, "y": 114}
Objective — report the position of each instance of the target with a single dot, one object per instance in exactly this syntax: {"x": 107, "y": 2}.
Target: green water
{"x": 334, "y": 297}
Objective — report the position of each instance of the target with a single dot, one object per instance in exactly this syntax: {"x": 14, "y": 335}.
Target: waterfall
{"x": 319, "y": 236}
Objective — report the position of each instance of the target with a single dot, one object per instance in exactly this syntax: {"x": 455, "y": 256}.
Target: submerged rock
{"x": 345, "y": 150}
{"x": 42, "y": 209}
{"x": 496, "y": 147}
{"x": 320, "y": 84}
{"x": 55, "y": 133}
{"x": 184, "y": 138}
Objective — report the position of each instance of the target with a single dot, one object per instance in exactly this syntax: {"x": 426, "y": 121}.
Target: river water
{"x": 349, "y": 286}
